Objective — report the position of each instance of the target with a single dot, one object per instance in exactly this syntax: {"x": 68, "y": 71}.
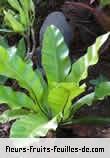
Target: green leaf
{"x": 15, "y": 100}
{"x": 21, "y": 48}
{"x": 32, "y": 126}
{"x": 55, "y": 58}
{"x": 3, "y": 42}
{"x": 26, "y": 4}
{"x": 61, "y": 96}
{"x": 3, "y": 79}
{"x": 102, "y": 90}
{"x": 14, "y": 67}
{"x": 6, "y": 30}
{"x": 75, "y": 92}
{"x": 23, "y": 14}
{"x": 10, "y": 115}
{"x": 13, "y": 22}
{"x": 57, "y": 99}
{"x": 95, "y": 120}
{"x": 45, "y": 93}
{"x": 50, "y": 125}
{"x": 12, "y": 51}
{"x": 80, "y": 67}
{"x": 86, "y": 100}
{"x": 24, "y": 19}
{"x": 15, "y": 4}
{"x": 98, "y": 80}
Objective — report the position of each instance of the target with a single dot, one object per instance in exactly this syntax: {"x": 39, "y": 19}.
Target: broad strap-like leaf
{"x": 3, "y": 79}
{"x": 43, "y": 101}
{"x": 15, "y": 4}
{"x": 6, "y": 30}
{"x": 101, "y": 91}
{"x": 15, "y": 100}
{"x": 32, "y": 126}
{"x": 23, "y": 14}
{"x": 80, "y": 67}
{"x": 4, "y": 42}
{"x": 55, "y": 57}
{"x": 28, "y": 12}
{"x": 13, "y": 22}
{"x": 94, "y": 120}
{"x": 10, "y": 115}
{"x": 21, "y": 48}
{"x": 98, "y": 80}
{"x": 14, "y": 67}
{"x": 86, "y": 100}
{"x": 61, "y": 95}
{"x": 12, "y": 51}
{"x": 27, "y": 5}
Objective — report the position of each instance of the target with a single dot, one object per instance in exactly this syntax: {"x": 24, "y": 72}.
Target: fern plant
{"x": 19, "y": 17}
{"x": 47, "y": 102}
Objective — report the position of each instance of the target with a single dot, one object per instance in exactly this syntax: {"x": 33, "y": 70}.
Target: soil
{"x": 77, "y": 49}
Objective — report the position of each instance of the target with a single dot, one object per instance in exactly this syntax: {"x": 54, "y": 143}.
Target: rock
{"x": 58, "y": 19}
